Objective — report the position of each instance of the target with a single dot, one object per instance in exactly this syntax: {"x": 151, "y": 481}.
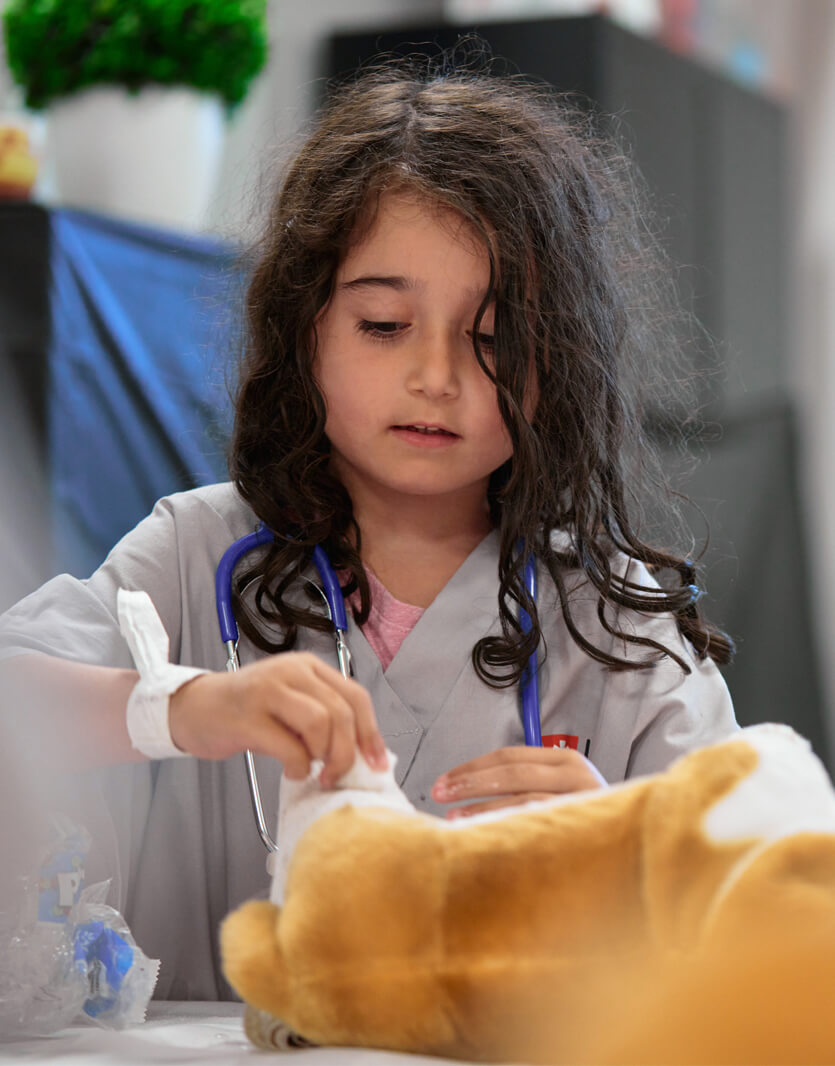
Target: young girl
{"x": 449, "y": 293}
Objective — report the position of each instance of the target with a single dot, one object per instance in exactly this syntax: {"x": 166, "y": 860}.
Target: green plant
{"x": 57, "y": 47}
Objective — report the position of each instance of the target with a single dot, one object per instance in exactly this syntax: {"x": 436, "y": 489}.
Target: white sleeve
{"x": 651, "y": 715}
{"x": 679, "y": 713}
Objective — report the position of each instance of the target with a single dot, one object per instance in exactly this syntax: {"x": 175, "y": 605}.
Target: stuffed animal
{"x": 684, "y": 917}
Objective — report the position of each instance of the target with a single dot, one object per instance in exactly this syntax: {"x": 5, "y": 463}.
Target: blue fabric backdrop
{"x": 144, "y": 342}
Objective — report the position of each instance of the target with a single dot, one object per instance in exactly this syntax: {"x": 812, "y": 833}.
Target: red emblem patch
{"x": 561, "y": 740}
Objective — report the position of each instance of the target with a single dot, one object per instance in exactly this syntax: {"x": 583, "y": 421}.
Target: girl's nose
{"x": 434, "y": 371}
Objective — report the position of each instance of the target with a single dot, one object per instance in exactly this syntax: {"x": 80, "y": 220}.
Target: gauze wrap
{"x": 147, "y": 712}
{"x": 301, "y": 803}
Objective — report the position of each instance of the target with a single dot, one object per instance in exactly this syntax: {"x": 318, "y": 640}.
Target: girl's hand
{"x": 515, "y": 776}
{"x": 291, "y": 706}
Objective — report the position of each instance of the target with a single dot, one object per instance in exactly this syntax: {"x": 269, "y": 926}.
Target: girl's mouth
{"x": 425, "y": 436}
{"x": 431, "y": 430}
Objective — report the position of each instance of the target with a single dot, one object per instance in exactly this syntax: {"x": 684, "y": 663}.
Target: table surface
{"x": 184, "y": 1033}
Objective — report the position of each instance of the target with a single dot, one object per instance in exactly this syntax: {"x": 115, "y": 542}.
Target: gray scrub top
{"x": 179, "y": 838}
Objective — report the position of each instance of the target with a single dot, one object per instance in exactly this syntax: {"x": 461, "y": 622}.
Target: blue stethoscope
{"x": 332, "y": 595}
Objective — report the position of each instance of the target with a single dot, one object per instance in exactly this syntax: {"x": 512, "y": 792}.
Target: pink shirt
{"x": 389, "y": 621}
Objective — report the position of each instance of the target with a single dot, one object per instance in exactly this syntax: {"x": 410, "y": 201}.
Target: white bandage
{"x": 147, "y": 714}
{"x": 301, "y": 803}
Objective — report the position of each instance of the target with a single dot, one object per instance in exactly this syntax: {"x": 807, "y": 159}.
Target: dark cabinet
{"x": 25, "y": 526}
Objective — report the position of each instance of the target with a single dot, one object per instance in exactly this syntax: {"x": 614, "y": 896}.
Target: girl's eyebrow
{"x": 393, "y": 281}
{"x": 398, "y": 282}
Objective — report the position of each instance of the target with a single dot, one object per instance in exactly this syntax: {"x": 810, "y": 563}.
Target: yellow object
{"x": 18, "y": 167}
{"x": 682, "y": 918}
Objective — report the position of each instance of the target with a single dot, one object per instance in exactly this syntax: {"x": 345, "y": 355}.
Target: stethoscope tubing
{"x": 529, "y": 685}
{"x": 223, "y": 579}
{"x": 336, "y": 608}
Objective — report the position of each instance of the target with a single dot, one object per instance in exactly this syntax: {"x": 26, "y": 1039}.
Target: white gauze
{"x": 147, "y": 711}
{"x": 301, "y": 803}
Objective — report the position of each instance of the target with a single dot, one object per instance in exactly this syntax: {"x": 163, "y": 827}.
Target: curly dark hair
{"x": 576, "y": 278}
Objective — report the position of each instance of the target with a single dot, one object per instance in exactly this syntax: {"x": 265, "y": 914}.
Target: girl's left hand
{"x": 515, "y": 776}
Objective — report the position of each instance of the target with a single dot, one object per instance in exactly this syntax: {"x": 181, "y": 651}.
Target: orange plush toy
{"x": 683, "y": 917}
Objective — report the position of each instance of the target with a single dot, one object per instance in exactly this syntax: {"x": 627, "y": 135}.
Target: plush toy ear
{"x": 252, "y": 959}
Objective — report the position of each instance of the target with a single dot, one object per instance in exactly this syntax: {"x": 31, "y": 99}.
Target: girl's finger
{"x": 518, "y": 754}
{"x": 343, "y": 747}
{"x": 334, "y": 728}
{"x": 307, "y": 716}
{"x": 267, "y": 736}
{"x": 518, "y": 777}
{"x": 331, "y": 715}
{"x": 367, "y": 732}
{"x": 369, "y": 739}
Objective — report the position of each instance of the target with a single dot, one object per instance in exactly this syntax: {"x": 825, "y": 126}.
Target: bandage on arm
{"x": 159, "y": 679}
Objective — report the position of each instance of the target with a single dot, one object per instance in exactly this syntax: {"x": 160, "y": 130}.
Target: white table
{"x": 186, "y": 1033}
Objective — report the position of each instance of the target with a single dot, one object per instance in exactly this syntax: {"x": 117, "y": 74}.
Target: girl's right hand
{"x": 291, "y": 706}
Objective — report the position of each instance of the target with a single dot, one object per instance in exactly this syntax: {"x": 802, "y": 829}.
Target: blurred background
{"x": 136, "y": 159}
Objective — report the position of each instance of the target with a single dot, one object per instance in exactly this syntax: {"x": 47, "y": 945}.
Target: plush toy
{"x": 684, "y": 917}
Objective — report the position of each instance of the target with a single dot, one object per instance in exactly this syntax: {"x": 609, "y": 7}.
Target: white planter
{"x": 153, "y": 156}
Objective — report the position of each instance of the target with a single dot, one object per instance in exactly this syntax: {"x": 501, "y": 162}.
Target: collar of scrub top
{"x": 332, "y": 594}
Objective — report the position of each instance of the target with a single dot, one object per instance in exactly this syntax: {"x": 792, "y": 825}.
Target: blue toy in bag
{"x": 118, "y": 977}
{"x": 104, "y": 958}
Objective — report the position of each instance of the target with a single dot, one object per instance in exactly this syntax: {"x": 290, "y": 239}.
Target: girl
{"x": 448, "y": 296}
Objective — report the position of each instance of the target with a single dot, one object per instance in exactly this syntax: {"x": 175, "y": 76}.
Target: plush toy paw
{"x": 270, "y": 1033}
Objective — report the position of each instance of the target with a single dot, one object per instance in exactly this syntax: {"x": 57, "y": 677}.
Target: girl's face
{"x": 409, "y": 410}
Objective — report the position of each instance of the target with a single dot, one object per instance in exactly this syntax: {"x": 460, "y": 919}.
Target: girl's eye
{"x": 486, "y": 341}
{"x": 381, "y": 331}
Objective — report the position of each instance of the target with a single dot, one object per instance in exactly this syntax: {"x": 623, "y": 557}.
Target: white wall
{"x": 812, "y": 351}
{"x": 282, "y": 99}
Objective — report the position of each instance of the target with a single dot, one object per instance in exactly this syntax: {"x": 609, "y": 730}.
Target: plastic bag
{"x": 64, "y": 953}
{"x": 40, "y": 988}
